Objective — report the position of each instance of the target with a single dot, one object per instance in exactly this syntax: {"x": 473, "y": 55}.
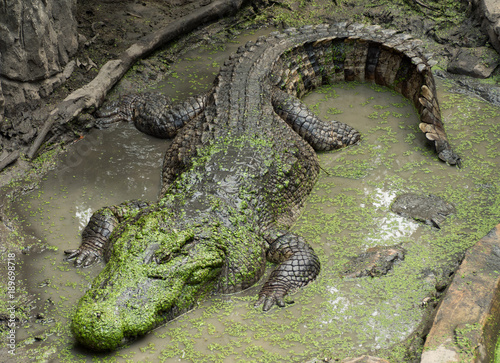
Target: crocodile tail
{"x": 361, "y": 53}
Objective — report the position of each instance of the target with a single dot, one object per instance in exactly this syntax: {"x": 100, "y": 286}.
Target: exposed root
{"x": 94, "y": 93}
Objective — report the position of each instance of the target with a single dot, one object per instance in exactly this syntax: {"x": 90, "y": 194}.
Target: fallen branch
{"x": 9, "y": 159}
{"x": 134, "y": 15}
{"x": 94, "y": 93}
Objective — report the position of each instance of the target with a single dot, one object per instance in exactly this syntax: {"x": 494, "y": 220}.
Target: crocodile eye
{"x": 166, "y": 258}
{"x": 162, "y": 259}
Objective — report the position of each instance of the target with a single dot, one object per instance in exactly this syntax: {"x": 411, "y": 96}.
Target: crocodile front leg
{"x": 298, "y": 265}
{"x": 153, "y": 113}
{"x": 321, "y": 135}
{"x": 95, "y": 236}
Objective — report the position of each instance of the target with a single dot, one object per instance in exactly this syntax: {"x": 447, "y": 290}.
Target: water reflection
{"x": 83, "y": 215}
{"x": 391, "y": 228}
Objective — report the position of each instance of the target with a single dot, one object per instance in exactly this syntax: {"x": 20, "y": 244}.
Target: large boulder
{"x": 478, "y": 62}
{"x": 465, "y": 327}
{"x": 489, "y": 12}
{"x": 37, "y": 39}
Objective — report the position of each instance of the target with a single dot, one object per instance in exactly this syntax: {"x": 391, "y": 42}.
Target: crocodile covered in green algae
{"x": 241, "y": 164}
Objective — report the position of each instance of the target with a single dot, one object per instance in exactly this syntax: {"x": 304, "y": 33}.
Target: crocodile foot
{"x": 83, "y": 257}
{"x": 273, "y": 295}
{"x": 121, "y": 110}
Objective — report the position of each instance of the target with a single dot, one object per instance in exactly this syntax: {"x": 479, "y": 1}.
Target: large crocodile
{"x": 235, "y": 177}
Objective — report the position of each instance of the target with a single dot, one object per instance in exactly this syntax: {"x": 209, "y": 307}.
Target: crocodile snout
{"x": 97, "y": 328}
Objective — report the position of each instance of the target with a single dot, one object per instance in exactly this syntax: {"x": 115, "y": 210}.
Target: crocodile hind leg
{"x": 297, "y": 266}
{"x": 95, "y": 236}
{"x": 321, "y": 135}
{"x": 152, "y": 113}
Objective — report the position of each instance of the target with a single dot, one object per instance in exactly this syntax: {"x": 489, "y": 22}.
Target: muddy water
{"x": 95, "y": 172}
{"x": 347, "y": 213}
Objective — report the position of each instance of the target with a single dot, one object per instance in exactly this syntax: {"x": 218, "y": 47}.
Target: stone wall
{"x": 37, "y": 39}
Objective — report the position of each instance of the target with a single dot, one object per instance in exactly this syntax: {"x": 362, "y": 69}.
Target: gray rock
{"x": 429, "y": 209}
{"x": 487, "y": 92}
{"x": 37, "y": 39}
{"x": 2, "y": 98}
{"x": 477, "y": 62}
{"x": 375, "y": 262}
{"x": 489, "y": 12}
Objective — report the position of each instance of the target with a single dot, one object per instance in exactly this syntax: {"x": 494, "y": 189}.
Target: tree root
{"x": 94, "y": 93}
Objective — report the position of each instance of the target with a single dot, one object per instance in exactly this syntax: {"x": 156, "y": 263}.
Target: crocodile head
{"x": 147, "y": 280}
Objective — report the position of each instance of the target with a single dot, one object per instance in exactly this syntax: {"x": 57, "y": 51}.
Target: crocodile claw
{"x": 269, "y": 300}
{"x": 121, "y": 110}
{"x": 84, "y": 258}
{"x": 111, "y": 118}
{"x": 450, "y": 157}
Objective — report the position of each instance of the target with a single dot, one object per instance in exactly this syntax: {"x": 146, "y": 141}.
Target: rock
{"x": 429, "y": 209}
{"x": 466, "y": 323}
{"x": 16, "y": 93}
{"x": 375, "y": 262}
{"x": 439, "y": 355}
{"x": 365, "y": 359}
{"x": 2, "y": 98}
{"x": 489, "y": 12}
{"x": 37, "y": 39}
{"x": 467, "y": 85}
{"x": 477, "y": 62}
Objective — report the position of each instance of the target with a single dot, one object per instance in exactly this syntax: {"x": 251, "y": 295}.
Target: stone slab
{"x": 468, "y": 318}
{"x": 478, "y": 62}
{"x": 489, "y": 11}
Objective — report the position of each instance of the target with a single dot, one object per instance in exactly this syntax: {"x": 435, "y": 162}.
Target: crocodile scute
{"x": 242, "y": 162}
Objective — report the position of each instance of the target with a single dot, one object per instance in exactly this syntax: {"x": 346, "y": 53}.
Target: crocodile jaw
{"x": 133, "y": 294}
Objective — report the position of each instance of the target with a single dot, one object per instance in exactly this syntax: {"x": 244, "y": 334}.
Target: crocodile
{"x": 241, "y": 164}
